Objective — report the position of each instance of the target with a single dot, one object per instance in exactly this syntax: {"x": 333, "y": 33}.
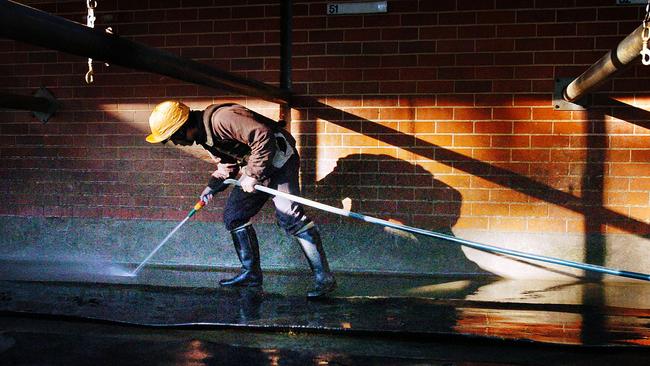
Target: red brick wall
{"x": 438, "y": 113}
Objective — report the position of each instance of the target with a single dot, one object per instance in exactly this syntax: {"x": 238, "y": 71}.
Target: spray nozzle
{"x": 199, "y": 205}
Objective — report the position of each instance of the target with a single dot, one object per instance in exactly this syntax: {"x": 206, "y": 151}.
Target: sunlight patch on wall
{"x": 136, "y": 117}
{"x": 641, "y": 102}
{"x": 631, "y": 99}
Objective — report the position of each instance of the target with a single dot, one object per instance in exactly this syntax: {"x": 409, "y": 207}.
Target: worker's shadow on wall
{"x": 392, "y": 189}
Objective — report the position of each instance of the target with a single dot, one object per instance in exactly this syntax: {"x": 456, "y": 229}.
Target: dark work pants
{"x": 242, "y": 206}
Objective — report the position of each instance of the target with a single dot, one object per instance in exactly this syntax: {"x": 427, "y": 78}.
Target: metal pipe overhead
{"x": 286, "y": 20}
{"x": 29, "y": 25}
{"x": 625, "y": 53}
{"x": 42, "y": 104}
{"x": 25, "y": 103}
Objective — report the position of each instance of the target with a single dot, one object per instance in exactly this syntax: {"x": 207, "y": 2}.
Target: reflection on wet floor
{"x": 182, "y": 317}
{"x": 572, "y": 313}
{"x": 55, "y": 341}
{"x": 55, "y": 349}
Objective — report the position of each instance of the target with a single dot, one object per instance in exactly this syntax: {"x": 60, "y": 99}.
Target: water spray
{"x": 199, "y": 205}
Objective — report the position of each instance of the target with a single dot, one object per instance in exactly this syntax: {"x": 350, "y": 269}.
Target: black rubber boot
{"x": 312, "y": 247}
{"x": 245, "y": 241}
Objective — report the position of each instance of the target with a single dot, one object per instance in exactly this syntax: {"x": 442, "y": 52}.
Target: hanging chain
{"x": 645, "y": 36}
{"x": 90, "y": 22}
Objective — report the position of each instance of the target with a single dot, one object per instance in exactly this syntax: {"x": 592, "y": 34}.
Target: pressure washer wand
{"x": 199, "y": 205}
{"x": 471, "y": 244}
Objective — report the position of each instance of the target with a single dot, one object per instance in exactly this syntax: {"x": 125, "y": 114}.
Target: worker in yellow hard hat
{"x": 243, "y": 141}
{"x": 167, "y": 121}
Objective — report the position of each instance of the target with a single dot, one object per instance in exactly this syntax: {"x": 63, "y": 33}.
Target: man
{"x": 242, "y": 140}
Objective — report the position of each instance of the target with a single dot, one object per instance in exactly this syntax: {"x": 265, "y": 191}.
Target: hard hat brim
{"x": 154, "y": 139}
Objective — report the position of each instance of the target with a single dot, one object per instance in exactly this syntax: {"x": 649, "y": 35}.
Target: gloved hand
{"x": 247, "y": 183}
{"x": 215, "y": 185}
{"x": 207, "y": 194}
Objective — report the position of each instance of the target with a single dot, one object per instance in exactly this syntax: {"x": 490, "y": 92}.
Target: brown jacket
{"x": 237, "y": 136}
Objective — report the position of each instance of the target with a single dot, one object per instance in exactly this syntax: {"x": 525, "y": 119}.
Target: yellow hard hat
{"x": 167, "y": 118}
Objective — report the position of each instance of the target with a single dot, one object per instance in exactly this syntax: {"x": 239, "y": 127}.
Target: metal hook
{"x": 91, "y": 5}
{"x": 645, "y": 56}
{"x": 645, "y": 52}
{"x": 89, "y": 75}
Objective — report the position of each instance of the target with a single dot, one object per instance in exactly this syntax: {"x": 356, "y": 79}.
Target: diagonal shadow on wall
{"x": 495, "y": 174}
{"x": 623, "y": 111}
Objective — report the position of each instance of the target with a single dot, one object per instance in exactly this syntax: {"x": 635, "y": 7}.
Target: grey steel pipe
{"x": 624, "y": 54}
{"x": 29, "y": 25}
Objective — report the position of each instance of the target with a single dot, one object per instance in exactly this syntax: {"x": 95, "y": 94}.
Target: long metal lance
{"x": 467, "y": 243}
{"x": 199, "y": 205}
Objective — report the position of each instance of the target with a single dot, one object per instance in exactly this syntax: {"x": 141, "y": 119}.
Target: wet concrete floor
{"x": 182, "y": 317}
{"x": 56, "y": 341}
